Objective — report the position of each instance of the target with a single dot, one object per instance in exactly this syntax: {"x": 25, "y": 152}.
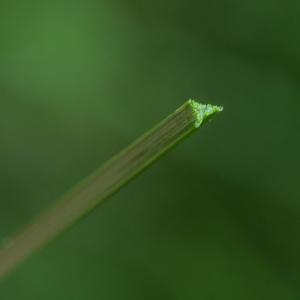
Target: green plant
{"x": 105, "y": 182}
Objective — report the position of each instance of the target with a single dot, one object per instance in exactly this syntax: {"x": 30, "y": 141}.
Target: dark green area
{"x": 218, "y": 218}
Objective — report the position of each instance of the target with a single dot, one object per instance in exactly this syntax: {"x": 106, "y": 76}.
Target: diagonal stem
{"x": 103, "y": 183}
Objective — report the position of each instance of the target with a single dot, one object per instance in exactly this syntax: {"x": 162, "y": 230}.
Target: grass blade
{"x": 104, "y": 182}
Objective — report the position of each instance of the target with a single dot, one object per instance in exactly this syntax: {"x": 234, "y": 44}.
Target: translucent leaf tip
{"x": 203, "y": 112}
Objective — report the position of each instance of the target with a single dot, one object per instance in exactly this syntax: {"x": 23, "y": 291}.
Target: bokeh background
{"x": 218, "y": 218}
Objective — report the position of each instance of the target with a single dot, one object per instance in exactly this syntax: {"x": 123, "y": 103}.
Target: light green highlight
{"x": 203, "y": 112}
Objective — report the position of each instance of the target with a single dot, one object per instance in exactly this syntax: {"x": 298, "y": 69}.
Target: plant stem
{"x": 103, "y": 183}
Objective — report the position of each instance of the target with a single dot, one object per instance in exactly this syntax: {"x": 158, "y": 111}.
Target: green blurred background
{"x": 218, "y": 218}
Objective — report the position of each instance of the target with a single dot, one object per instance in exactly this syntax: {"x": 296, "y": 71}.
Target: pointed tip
{"x": 203, "y": 112}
